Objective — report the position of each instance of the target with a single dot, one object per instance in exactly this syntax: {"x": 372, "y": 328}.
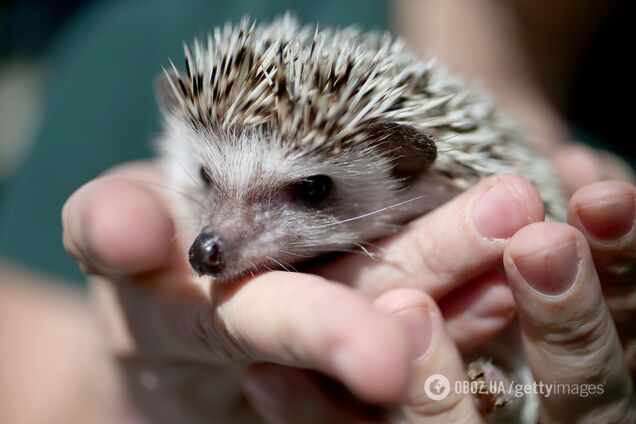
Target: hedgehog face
{"x": 251, "y": 200}
{"x": 284, "y": 142}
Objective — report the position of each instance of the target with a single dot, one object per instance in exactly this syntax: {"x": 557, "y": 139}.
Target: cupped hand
{"x": 578, "y": 165}
{"x": 569, "y": 339}
{"x": 120, "y": 230}
{"x": 453, "y": 254}
{"x": 570, "y": 307}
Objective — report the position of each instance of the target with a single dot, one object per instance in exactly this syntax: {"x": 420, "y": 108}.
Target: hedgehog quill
{"x": 290, "y": 142}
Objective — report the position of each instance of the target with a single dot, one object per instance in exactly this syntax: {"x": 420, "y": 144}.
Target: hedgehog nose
{"x": 206, "y": 254}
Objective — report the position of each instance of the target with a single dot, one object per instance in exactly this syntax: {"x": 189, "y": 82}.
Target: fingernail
{"x": 550, "y": 272}
{"x": 419, "y": 328}
{"x": 498, "y": 213}
{"x": 608, "y": 220}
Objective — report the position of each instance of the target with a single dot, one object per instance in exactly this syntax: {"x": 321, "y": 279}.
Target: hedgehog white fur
{"x": 286, "y": 142}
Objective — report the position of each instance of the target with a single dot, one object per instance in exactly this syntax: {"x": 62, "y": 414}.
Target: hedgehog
{"x": 287, "y": 142}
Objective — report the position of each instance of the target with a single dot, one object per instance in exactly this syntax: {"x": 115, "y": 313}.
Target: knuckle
{"x": 577, "y": 330}
{"x": 420, "y": 256}
{"x": 590, "y": 339}
{"x": 425, "y": 260}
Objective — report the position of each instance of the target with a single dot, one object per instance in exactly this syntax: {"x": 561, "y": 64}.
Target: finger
{"x": 292, "y": 319}
{"x": 115, "y": 226}
{"x": 568, "y": 334}
{"x": 145, "y": 171}
{"x": 436, "y": 361}
{"x": 576, "y": 165}
{"x": 455, "y": 243}
{"x": 287, "y": 395}
{"x": 616, "y": 168}
{"x": 305, "y": 321}
{"x": 605, "y": 213}
{"x": 258, "y": 321}
{"x": 476, "y": 312}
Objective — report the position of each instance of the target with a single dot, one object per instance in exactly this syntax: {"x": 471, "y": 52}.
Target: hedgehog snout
{"x": 206, "y": 254}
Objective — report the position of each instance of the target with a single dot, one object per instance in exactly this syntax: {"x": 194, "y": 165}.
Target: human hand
{"x": 175, "y": 333}
{"x": 568, "y": 333}
{"x": 578, "y": 165}
{"x": 604, "y": 213}
{"x": 452, "y": 254}
{"x": 287, "y": 395}
{"x": 121, "y": 231}
{"x": 568, "y": 337}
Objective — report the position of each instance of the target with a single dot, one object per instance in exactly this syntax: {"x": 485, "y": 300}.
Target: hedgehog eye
{"x": 313, "y": 189}
{"x": 205, "y": 176}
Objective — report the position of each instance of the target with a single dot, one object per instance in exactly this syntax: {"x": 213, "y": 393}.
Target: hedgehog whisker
{"x": 295, "y": 254}
{"x": 375, "y": 246}
{"x": 359, "y": 251}
{"x": 369, "y": 254}
{"x": 354, "y": 251}
{"x": 368, "y": 214}
{"x": 253, "y": 269}
{"x": 293, "y": 268}
{"x": 196, "y": 182}
{"x": 285, "y": 267}
{"x": 275, "y": 261}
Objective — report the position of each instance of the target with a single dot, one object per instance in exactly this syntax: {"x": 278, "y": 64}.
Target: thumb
{"x": 117, "y": 226}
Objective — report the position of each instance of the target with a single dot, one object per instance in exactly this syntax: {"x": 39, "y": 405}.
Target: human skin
{"x": 119, "y": 230}
{"x": 280, "y": 317}
{"x": 568, "y": 333}
{"x": 85, "y": 387}
{"x": 244, "y": 325}
{"x": 463, "y": 318}
{"x": 54, "y": 367}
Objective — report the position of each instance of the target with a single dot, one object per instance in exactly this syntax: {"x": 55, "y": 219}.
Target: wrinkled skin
{"x": 279, "y": 317}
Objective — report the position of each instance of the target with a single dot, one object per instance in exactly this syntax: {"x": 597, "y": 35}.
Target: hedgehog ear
{"x": 412, "y": 149}
{"x": 164, "y": 91}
